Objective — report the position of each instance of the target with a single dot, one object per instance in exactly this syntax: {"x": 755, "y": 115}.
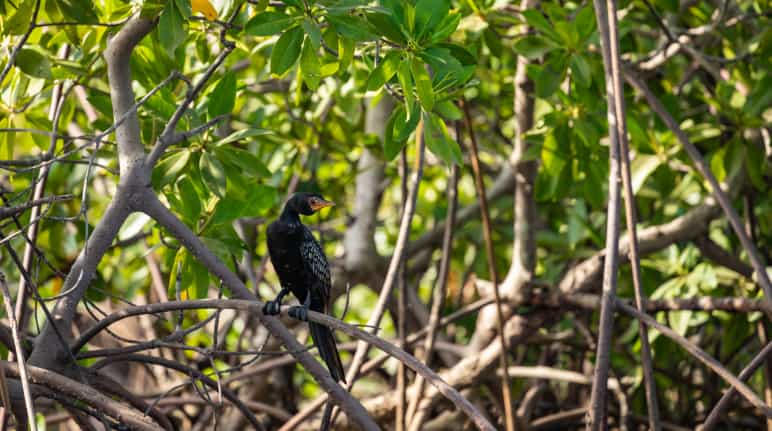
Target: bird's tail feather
{"x": 328, "y": 350}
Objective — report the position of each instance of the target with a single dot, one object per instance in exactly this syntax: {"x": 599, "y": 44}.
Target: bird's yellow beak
{"x": 320, "y": 203}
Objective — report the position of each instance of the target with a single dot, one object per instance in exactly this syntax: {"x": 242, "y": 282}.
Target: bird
{"x": 302, "y": 267}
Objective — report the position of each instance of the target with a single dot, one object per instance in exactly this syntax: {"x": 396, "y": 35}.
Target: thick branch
{"x": 117, "y": 56}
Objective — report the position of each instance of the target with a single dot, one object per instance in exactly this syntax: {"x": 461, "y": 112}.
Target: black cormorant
{"x": 303, "y": 270}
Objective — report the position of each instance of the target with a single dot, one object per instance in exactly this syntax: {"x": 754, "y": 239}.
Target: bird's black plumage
{"x": 302, "y": 267}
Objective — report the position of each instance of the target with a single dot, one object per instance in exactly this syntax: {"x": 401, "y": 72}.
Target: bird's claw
{"x": 271, "y": 308}
{"x": 299, "y": 313}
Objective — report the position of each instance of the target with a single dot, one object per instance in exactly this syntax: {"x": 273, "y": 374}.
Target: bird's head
{"x": 308, "y": 203}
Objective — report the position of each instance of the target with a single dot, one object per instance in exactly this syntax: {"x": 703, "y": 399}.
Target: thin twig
{"x": 388, "y": 284}
{"x": 441, "y": 287}
{"x": 715, "y": 414}
{"x": 11, "y": 60}
{"x": 255, "y": 307}
{"x": 400, "y": 414}
{"x": 631, "y": 217}
{"x": 168, "y": 137}
{"x": 701, "y": 355}
{"x": 19, "y": 352}
{"x": 9, "y": 211}
{"x": 504, "y": 358}
{"x": 596, "y": 419}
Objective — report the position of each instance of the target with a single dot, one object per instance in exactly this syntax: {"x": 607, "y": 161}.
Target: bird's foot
{"x": 271, "y": 308}
{"x": 299, "y": 313}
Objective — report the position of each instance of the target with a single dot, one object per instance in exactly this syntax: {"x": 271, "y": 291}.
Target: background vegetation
{"x": 145, "y": 145}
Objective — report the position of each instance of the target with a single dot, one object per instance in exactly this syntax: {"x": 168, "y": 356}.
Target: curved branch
{"x": 84, "y": 393}
{"x": 191, "y": 372}
{"x": 255, "y": 307}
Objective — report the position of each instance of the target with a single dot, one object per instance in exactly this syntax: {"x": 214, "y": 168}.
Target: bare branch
{"x": 606, "y": 17}
{"x": 396, "y": 259}
{"x": 19, "y": 352}
{"x": 84, "y": 393}
{"x": 503, "y": 359}
{"x": 255, "y": 307}
{"x": 745, "y": 374}
{"x": 700, "y": 354}
{"x": 8, "y": 212}
{"x": 440, "y": 288}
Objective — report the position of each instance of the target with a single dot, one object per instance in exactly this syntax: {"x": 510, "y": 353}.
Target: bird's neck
{"x": 290, "y": 216}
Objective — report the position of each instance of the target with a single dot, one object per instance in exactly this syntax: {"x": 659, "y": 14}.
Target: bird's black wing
{"x": 315, "y": 263}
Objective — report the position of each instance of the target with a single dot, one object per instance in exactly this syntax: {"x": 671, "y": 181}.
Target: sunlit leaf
{"x": 286, "y": 51}
{"x": 213, "y": 174}
{"x": 269, "y": 23}
{"x": 34, "y": 63}
{"x": 223, "y": 97}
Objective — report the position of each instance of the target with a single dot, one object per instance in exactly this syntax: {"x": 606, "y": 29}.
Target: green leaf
{"x": 534, "y": 46}
{"x": 34, "y": 63}
{"x": 286, "y": 51}
{"x": 185, "y": 8}
{"x": 642, "y": 166}
{"x": 200, "y": 279}
{"x": 554, "y": 156}
{"x": 585, "y": 23}
{"x": 404, "y": 128}
{"x": 392, "y": 146}
{"x": 269, "y": 23}
{"x": 429, "y": 13}
{"x": 244, "y": 161}
{"x": 493, "y": 41}
{"x": 171, "y": 28}
{"x": 309, "y": 65}
{"x": 717, "y": 163}
{"x": 80, "y": 11}
{"x": 760, "y": 98}
{"x": 406, "y": 81}
{"x": 254, "y": 202}
{"x": 313, "y": 32}
{"x": 423, "y": 84}
{"x": 345, "y": 52}
{"x": 213, "y": 174}
{"x": 536, "y": 20}
{"x": 178, "y": 265}
{"x": 438, "y": 140}
{"x": 446, "y": 27}
{"x": 243, "y": 134}
{"x": 580, "y": 70}
{"x": 351, "y": 27}
{"x": 20, "y": 21}
{"x": 448, "y": 110}
{"x": 223, "y": 97}
{"x": 170, "y": 168}
{"x": 384, "y": 71}
{"x": 547, "y": 78}
{"x": 190, "y": 202}
{"x": 387, "y": 26}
